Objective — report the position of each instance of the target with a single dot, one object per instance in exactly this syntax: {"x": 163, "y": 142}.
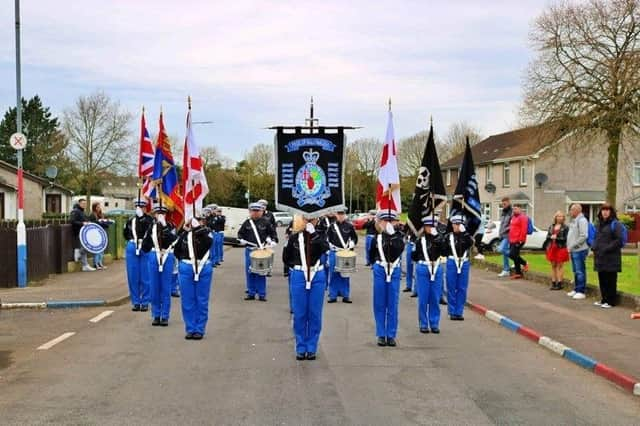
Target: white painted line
{"x": 101, "y": 316}
{"x": 55, "y": 341}
{"x": 552, "y": 345}
{"x": 494, "y": 316}
{"x": 20, "y": 305}
{"x": 636, "y": 389}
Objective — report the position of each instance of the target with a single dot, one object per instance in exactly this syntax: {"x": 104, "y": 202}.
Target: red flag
{"x": 194, "y": 181}
{"x": 388, "y": 176}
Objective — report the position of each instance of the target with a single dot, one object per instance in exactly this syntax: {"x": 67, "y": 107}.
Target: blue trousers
{"x": 214, "y": 247}
{"x": 578, "y": 259}
{"x": 137, "y": 275}
{"x": 161, "y": 283}
{"x": 98, "y": 258}
{"x": 194, "y": 296}
{"x": 175, "y": 287}
{"x": 255, "y": 283}
{"x": 504, "y": 249}
{"x": 385, "y": 301}
{"x": 367, "y": 245}
{"x": 409, "y": 276}
{"x": 324, "y": 260}
{"x": 429, "y": 293}
{"x": 290, "y": 291}
{"x": 307, "y": 310}
{"x": 338, "y": 285}
{"x": 457, "y": 285}
{"x": 220, "y": 236}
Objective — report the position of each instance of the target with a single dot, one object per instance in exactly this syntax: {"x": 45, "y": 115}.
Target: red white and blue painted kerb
{"x": 628, "y": 383}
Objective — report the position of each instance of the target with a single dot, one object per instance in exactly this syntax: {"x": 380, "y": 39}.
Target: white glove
{"x": 194, "y": 222}
{"x": 139, "y": 211}
{"x": 433, "y": 232}
{"x": 271, "y": 243}
{"x": 350, "y": 245}
{"x": 243, "y": 242}
{"x": 161, "y": 220}
{"x": 310, "y": 228}
{"x": 462, "y": 228}
{"x": 268, "y": 241}
{"x": 389, "y": 229}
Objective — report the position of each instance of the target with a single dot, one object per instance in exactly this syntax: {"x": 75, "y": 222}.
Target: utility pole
{"x": 21, "y": 229}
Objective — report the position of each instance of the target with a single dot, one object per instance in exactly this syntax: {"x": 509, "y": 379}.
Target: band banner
{"x": 309, "y": 171}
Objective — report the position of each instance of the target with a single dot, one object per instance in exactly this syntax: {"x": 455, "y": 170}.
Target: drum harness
{"x": 337, "y": 229}
{"x": 388, "y": 267}
{"x": 309, "y": 272}
{"x": 160, "y": 254}
{"x": 431, "y": 265}
{"x": 255, "y": 232}
{"x": 454, "y": 255}
{"x": 136, "y": 240}
{"x": 193, "y": 260}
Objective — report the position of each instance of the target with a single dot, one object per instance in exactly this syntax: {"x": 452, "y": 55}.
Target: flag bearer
{"x": 458, "y": 245}
{"x": 158, "y": 244}
{"x": 137, "y": 265}
{"x": 342, "y": 236}
{"x": 196, "y": 273}
{"x": 303, "y": 254}
{"x": 428, "y": 275}
{"x": 385, "y": 254}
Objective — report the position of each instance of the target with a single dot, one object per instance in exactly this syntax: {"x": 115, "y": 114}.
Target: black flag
{"x": 429, "y": 193}
{"x": 466, "y": 199}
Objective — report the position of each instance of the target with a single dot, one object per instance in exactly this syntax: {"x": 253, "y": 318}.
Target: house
{"x": 119, "y": 192}
{"x": 40, "y": 195}
{"x": 547, "y": 170}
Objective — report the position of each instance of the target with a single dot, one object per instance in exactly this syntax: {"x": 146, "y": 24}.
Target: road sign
{"x": 246, "y": 195}
{"x": 18, "y": 141}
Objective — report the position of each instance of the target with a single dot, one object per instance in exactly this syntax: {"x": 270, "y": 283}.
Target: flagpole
{"x": 140, "y": 180}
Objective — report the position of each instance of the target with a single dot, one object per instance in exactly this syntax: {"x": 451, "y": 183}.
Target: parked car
{"x": 491, "y": 239}
{"x": 283, "y": 218}
{"x": 120, "y": 212}
{"x": 360, "y": 220}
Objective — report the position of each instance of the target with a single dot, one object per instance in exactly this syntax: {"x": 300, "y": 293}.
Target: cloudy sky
{"x": 251, "y": 64}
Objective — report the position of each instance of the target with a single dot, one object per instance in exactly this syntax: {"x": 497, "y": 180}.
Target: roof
{"x": 42, "y": 181}
{"x": 515, "y": 144}
{"x": 586, "y": 196}
{"x": 9, "y": 186}
{"x": 518, "y": 196}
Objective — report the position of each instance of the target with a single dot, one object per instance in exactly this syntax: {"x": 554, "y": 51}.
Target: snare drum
{"x": 345, "y": 262}
{"x": 261, "y": 261}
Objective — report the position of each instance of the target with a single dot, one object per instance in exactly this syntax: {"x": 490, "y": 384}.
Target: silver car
{"x": 283, "y": 218}
{"x": 491, "y": 238}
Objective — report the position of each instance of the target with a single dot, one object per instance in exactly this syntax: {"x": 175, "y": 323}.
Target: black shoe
{"x": 391, "y": 341}
{"x": 443, "y": 302}
{"x": 414, "y": 294}
{"x": 406, "y": 290}
{"x": 136, "y": 308}
{"x": 189, "y": 336}
{"x": 269, "y": 274}
{"x": 311, "y": 356}
{"x": 156, "y": 321}
{"x": 332, "y": 301}
{"x": 382, "y": 341}
{"x": 424, "y": 330}
{"x": 346, "y": 300}
{"x": 164, "y": 322}
{"x": 300, "y": 357}
{"x": 262, "y": 298}
{"x": 435, "y": 330}
{"x": 457, "y": 317}
{"x": 250, "y": 298}
{"x": 196, "y": 336}
{"x": 246, "y": 292}
{"x": 144, "y": 308}
{"x": 175, "y": 294}
{"x": 286, "y": 274}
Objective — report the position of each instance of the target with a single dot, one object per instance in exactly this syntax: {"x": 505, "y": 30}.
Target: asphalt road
{"x": 121, "y": 370}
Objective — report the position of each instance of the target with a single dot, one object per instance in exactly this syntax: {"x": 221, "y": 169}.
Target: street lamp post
{"x": 21, "y": 230}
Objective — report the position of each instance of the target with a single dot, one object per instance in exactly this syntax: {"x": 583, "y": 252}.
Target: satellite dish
{"x": 51, "y": 172}
{"x": 490, "y": 188}
{"x": 541, "y": 179}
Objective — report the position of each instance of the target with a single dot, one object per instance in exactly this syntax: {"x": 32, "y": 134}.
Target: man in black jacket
{"x": 78, "y": 219}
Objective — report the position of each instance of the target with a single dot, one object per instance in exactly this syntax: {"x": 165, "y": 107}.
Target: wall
{"x": 33, "y": 201}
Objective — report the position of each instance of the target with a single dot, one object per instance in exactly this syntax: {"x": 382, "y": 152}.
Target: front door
{"x": 54, "y": 203}
{"x": 1, "y": 205}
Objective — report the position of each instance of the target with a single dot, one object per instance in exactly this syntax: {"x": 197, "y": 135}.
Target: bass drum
{"x": 93, "y": 238}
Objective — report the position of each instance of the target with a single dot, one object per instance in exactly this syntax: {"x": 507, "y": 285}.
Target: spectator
{"x": 97, "y": 216}
{"x": 607, "y": 253}
{"x": 557, "y": 253}
{"x": 505, "y": 221}
{"x": 517, "y": 237}
{"x": 578, "y": 249}
{"x": 78, "y": 219}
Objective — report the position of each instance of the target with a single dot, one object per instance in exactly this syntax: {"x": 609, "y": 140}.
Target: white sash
{"x": 431, "y": 265}
{"x": 459, "y": 260}
{"x": 255, "y": 232}
{"x": 309, "y": 273}
{"x": 192, "y": 255}
{"x": 388, "y": 267}
{"x": 135, "y": 236}
{"x": 335, "y": 226}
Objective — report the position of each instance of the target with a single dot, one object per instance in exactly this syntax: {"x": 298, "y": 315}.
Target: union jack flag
{"x": 145, "y": 161}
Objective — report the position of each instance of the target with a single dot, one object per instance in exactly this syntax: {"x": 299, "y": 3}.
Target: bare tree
{"x": 410, "y": 152}
{"x": 260, "y": 160}
{"x": 368, "y": 152}
{"x": 586, "y": 76}
{"x": 98, "y": 133}
{"x": 456, "y": 138}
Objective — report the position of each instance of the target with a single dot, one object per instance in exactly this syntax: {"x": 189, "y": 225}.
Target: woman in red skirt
{"x": 557, "y": 252}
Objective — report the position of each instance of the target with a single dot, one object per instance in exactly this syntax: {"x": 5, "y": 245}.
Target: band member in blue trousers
{"x": 371, "y": 231}
{"x": 342, "y": 236}
{"x": 158, "y": 246}
{"x": 136, "y": 260}
{"x": 221, "y": 221}
{"x": 196, "y": 273}
{"x": 303, "y": 254}
{"x": 409, "y": 283}
{"x": 428, "y": 275}
{"x": 458, "y": 245}
{"x": 385, "y": 254}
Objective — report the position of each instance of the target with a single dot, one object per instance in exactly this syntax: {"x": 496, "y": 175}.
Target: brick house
{"x": 547, "y": 171}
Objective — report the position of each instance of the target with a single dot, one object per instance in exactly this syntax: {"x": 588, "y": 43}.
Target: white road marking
{"x": 101, "y": 316}
{"x": 55, "y": 341}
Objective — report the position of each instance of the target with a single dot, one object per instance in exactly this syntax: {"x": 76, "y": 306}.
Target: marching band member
{"x": 370, "y": 226}
{"x": 458, "y": 245}
{"x": 409, "y": 248}
{"x": 385, "y": 254}
{"x": 342, "y": 236}
{"x": 257, "y": 233}
{"x": 158, "y": 244}
{"x": 209, "y": 215}
{"x": 137, "y": 265}
{"x": 427, "y": 252}
{"x": 302, "y": 255}
{"x": 192, "y": 250}
{"x": 220, "y": 224}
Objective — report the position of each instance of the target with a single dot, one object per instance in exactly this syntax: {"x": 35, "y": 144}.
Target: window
{"x": 486, "y": 210}
{"x": 448, "y": 177}
{"x": 53, "y": 203}
{"x": 488, "y": 178}
{"x": 523, "y": 173}
{"x": 506, "y": 175}
{"x": 636, "y": 173}
{"x": 106, "y": 204}
{"x": 1, "y": 205}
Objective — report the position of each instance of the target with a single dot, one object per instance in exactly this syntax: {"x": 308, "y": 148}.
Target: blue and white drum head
{"x": 93, "y": 238}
